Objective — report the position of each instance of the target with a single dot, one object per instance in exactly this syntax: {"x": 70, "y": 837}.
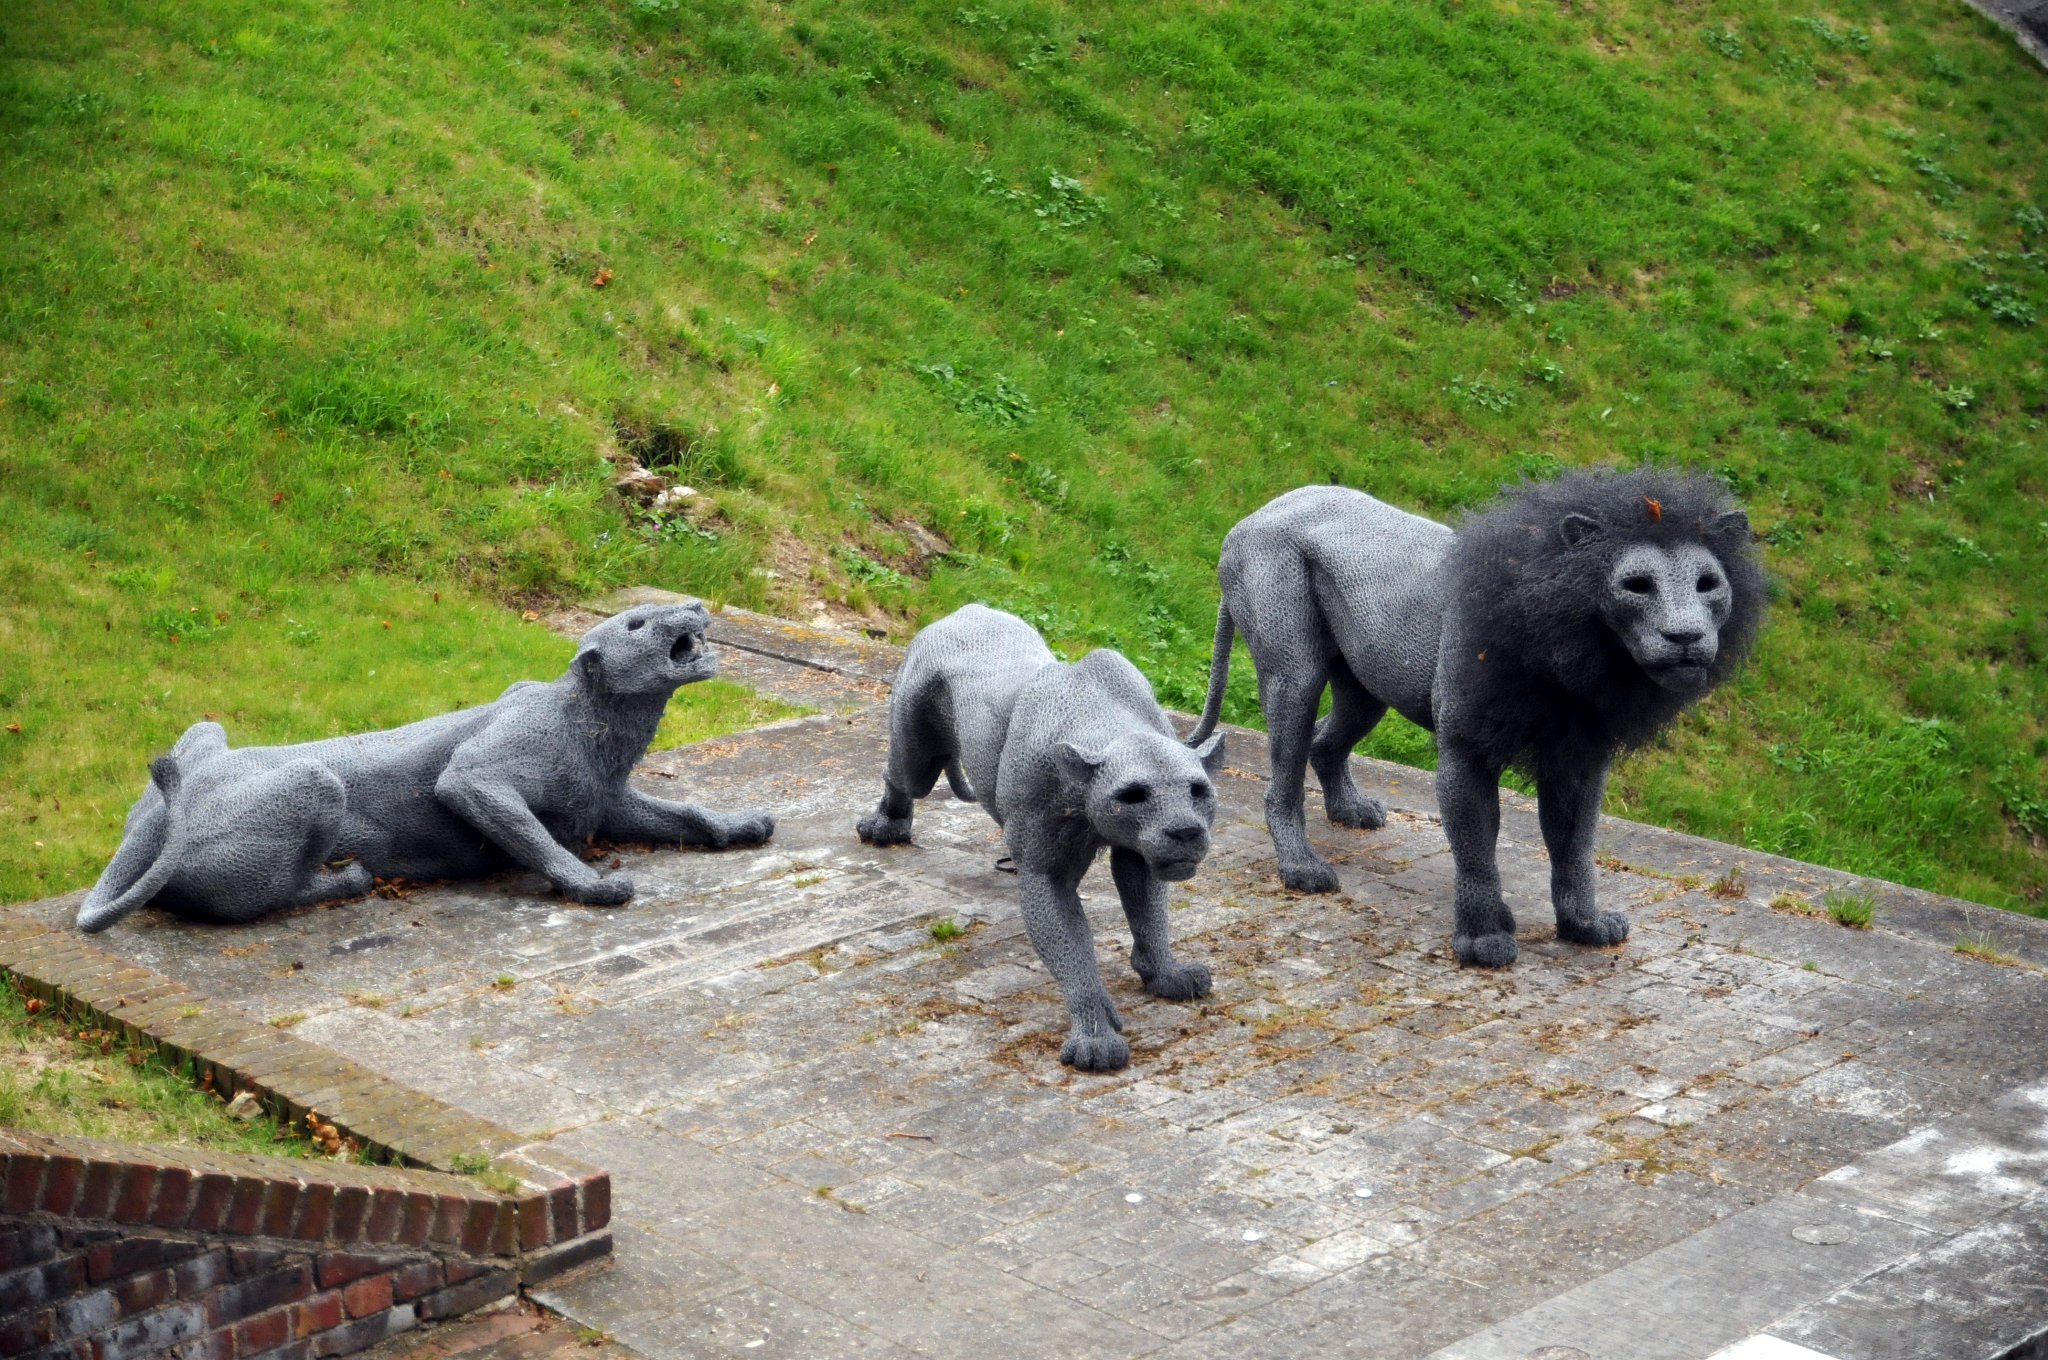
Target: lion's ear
{"x": 1732, "y": 524}
{"x": 1075, "y": 763}
{"x": 1575, "y": 529}
{"x": 589, "y": 667}
{"x": 1210, "y": 753}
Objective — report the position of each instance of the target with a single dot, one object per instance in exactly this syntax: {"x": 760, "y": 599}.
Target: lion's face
{"x": 1667, "y": 605}
{"x": 651, "y": 649}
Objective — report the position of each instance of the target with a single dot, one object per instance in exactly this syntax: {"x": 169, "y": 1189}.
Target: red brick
{"x": 480, "y": 1219}
{"x": 123, "y": 1256}
{"x": 371, "y": 1294}
{"x": 210, "y": 1206}
{"x": 533, "y": 1222}
{"x": 255, "y": 1260}
{"x": 23, "y": 1189}
{"x": 419, "y": 1216}
{"x": 96, "y": 1195}
{"x": 28, "y": 1245}
{"x": 387, "y": 1207}
{"x": 212, "y": 1346}
{"x": 138, "y": 1188}
{"x": 19, "y": 1334}
{"x": 265, "y": 1330}
{"x": 280, "y": 1207}
{"x": 173, "y": 1197}
{"x": 317, "y": 1314}
{"x": 22, "y": 1290}
{"x": 597, "y": 1201}
{"x": 140, "y": 1293}
{"x": 316, "y": 1209}
{"x": 421, "y": 1277}
{"x": 449, "y": 1213}
{"x": 351, "y": 1207}
{"x": 202, "y": 1273}
{"x": 152, "y": 1335}
{"x": 562, "y": 1199}
{"x": 472, "y": 1294}
{"x": 246, "y": 1210}
{"x": 60, "y": 1185}
{"x": 334, "y": 1269}
{"x": 260, "y": 1293}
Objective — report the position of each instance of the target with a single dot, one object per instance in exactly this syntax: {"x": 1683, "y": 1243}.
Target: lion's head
{"x": 1633, "y": 593}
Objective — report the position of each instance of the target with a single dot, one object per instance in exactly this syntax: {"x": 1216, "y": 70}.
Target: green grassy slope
{"x": 300, "y": 324}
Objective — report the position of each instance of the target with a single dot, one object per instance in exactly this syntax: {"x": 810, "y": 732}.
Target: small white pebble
{"x": 1363, "y": 1192}
{"x": 1254, "y": 1235}
{"x": 1134, "y": 1198}
{"x": 758, "y": 1341}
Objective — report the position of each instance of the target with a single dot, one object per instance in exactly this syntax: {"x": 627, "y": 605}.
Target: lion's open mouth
{"x": 683, "y": 647}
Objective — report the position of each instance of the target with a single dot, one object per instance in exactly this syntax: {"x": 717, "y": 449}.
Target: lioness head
{"x": 1148, "y": 793}
{"x": 1667, "y": 602}
{"x": 648, "y": 649}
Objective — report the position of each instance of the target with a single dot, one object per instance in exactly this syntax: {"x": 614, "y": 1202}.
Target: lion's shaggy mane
{"x": 1534, "y": 599}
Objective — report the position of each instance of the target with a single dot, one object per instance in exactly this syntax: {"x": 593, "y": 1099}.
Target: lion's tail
{"x": 145, "y": 862}
{"x": 956, "y": 780}
{"x": 1219, "y": 675}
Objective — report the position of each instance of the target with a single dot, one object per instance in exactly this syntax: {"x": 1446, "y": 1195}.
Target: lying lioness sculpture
{"x": 230, "y": 835}
{"x": 1067, "y": 759}
{"x": 1571, "y": 621}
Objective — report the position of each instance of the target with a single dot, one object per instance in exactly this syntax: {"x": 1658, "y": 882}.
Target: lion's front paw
{"x": 752, "y": 828}
{"x": 1309, "y": 876}
{"x": 1602, "y": 929}
{"x": 877, "y": 829}
{"x": 609, "y": 891}
{"x": 1096, "y": 1052}
{"x": 1179, "y": 982}
{"x": 1494, "y": 950}
{"x": 1356, "y": 810}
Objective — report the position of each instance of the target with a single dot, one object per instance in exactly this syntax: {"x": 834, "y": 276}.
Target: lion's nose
{"x": 1188, "y": 831}
{"x": 1683, "y": 637}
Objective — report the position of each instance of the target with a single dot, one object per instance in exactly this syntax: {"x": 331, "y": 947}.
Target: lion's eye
{"x": 1639, "y": 585}
{"x": 1708, "y": 583}
{"x": 636, "y": 625}
{"x": 1133, "y": 793}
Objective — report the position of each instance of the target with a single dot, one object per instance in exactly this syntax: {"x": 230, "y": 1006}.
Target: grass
{"x": 314, "y": 321}
{"x": 946, "y": 930}
{"x": 57, "y": 1076}
{"x": 1854, "y": 910}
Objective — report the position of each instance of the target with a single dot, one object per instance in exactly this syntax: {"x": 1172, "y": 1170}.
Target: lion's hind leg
{"x": 261, "y": 844}
{"x": 1354, "y": 712}
{"x": 918, "y": 755}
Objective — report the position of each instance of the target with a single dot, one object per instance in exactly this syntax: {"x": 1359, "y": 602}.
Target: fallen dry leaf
{"x": 601, "y": 278}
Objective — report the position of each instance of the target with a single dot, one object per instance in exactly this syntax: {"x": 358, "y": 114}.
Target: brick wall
{"x": 111, "y": 1250}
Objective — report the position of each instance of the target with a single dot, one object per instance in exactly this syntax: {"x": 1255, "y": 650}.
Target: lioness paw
{"x": 1180, "y": 982}
{"x": 1494, "y": 950}
{"x": 877, "y": 829}
{"x": 753, "y": 828}
{"x": 1309, "y": 876}
{"x": 1366, "y": 814}
{"x": 609, "y": 891}
{"x": 1096, "y": 1052}
{"x": 1603, "y": 929}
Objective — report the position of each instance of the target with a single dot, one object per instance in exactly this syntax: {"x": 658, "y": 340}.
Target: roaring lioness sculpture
{"x": 1067, "y": 759}
{"x": 1572, "y": 620}
{"x": 230, "y": 835}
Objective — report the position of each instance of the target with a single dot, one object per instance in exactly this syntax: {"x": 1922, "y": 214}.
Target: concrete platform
{"x": 1746, "y": 1131}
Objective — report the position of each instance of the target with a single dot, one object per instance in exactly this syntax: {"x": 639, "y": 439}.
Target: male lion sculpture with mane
{"x": 1570, "y": 621}
{"x": 230, "y": 835}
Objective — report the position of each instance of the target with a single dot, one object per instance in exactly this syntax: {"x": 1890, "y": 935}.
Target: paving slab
{"x": 830, "y": 1134}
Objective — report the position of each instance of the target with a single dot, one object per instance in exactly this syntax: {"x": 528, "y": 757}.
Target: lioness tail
{"x": 1219, "y": 674}
{"x": 143, "y": 864}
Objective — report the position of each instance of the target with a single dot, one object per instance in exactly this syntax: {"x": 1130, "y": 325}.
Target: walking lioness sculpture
{"x": 231, "y": 835}
{"x": 1067, "y": 759}
{"x": 1572, "y": 620}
